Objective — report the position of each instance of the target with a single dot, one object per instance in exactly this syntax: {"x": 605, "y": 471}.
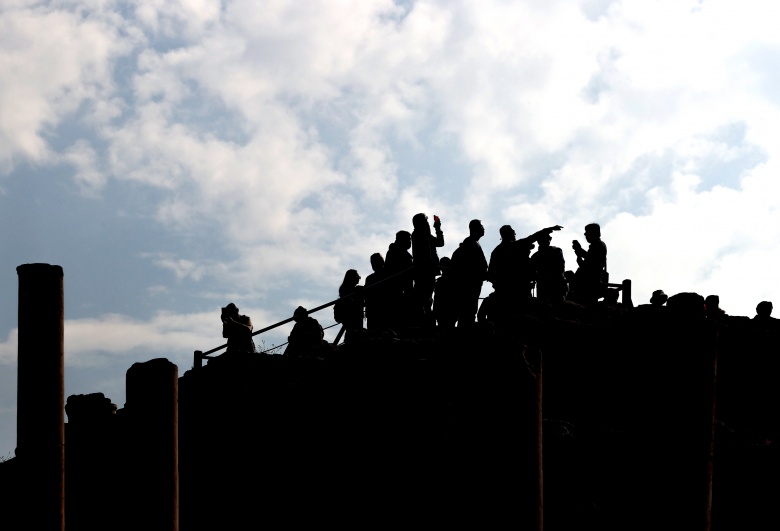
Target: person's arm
{"x": 439, "y": 238}
{"x": 538, "y": 234}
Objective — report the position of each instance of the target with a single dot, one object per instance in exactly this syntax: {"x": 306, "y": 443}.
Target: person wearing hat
{"x": 307, "y": 335}
{"x": 237, "y": 329}
{"x": 659, "y": 298}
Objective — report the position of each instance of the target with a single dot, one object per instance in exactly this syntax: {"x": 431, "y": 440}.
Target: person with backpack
{"x": 348, "y": 309}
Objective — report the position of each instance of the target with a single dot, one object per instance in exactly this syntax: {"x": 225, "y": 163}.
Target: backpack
{"x": 338, "y": 311}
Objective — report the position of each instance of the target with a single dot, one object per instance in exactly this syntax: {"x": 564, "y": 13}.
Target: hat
{"x": 659, "y": 297}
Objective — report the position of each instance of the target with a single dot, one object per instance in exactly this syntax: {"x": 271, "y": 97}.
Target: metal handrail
{"x": 199, "y": 355}
{"x": 624, "y": 287}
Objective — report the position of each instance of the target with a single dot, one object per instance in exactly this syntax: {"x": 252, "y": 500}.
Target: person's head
{"x": 445, "y": 262}
{"x": 764, "y": 309}
{"x": 712, "y": 302}
{"x": 420, "y": 222}
{"x": 377, "y": 262}
{"x": 300, "y": 313}
{"x": 659, "y": 298}
{"x": 507, "y": 233}
{"x": 230, "y": 310}
{"x": 351, "y": 278}
{"x": 476, "y": 230}
{"x": 403, "y": 238}
{"x": 592, "y": 232}
{"x": 544, "y": 241}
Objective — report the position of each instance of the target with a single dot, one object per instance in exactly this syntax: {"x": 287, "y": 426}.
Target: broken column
{"x": 41, "y": 395}
{"x": 152, "y": 414}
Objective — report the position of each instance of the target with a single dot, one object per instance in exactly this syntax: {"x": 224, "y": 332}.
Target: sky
{"x": 177, "y": 155}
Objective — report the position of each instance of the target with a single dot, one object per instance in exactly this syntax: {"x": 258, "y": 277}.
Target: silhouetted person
{"x": 510, "y": 269}
{"x": 445, "y": 298}
{"x": 237, "y": 329}
{"x": 306, "y": 337}
{"x": 470, "y": 266}
{"x": 398, "y": 264}
{"x": 426, "y": 265}
{"x": 763, "y": 317}
{"x": 659, "y": 298}
{"x": 378, "y": 304}
{"x": 549, "y": 267}
{"x": 591, "y": 274}
{"x": 712, "y": 308}
{"x": 348, "y": 310}
{"x": 763, "y": 311}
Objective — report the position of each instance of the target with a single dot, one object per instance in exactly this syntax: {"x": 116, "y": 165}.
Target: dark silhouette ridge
{"x": 632, "y": 436}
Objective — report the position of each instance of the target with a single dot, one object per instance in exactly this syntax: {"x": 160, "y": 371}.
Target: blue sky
{"x": 174, "y": 156}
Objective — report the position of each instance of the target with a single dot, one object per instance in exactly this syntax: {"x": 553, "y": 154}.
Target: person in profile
{"x": 426, "y": 265}
{"x": 549, "y": 266}
{"x": 590, "y": 278}
{"x": 445, "y": 298}
{"x": 348, "y": 310}
{"x": 470, "y": 266}
{"x": 398, "y": 269}
{"x": 307, "y": 336}
{"x": 237, "y": 329}
{"x": 377, "y": 303}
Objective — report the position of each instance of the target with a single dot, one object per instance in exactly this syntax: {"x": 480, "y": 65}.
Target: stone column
{"x": 40, "y": 418}
{"x": 152, "y": 411}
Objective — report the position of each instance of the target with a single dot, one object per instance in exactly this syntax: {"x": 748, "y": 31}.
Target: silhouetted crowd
{"x": 420, "y": 290}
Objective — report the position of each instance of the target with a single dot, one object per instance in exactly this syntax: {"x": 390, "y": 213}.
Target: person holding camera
{"x": 237, "y": 329}
{"x": 591, "y": 276}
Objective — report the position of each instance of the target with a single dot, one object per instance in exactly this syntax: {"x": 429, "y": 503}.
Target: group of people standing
{"x": 420, "y": 289}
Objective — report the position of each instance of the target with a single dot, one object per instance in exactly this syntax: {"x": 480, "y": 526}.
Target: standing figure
{"x": 549, "y": 266}
{"x": 591, "y": 272}
{"x": 398, "y": 269}
{"x": 510, "y": 270}
{"x": 470, "y": 266}
{"x": 376, "y": 294}
{"x": 237, "y": 329}
{"x": 426, "y": 265}
{"x": 348, "y": 310}
{"x": 445, "y": 298}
